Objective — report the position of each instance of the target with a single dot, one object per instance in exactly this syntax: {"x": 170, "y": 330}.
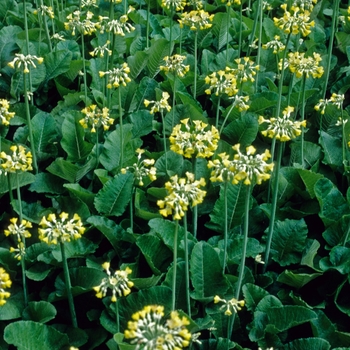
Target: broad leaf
{"x": 57, "y": 62}
{"x": 39, "y": 311}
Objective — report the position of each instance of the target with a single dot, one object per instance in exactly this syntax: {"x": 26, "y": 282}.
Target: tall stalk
{"x": 173, "y": 299}
{"x": 225, "y": 227}
{"x": 195, "y": 64}
{"x": 302, "y": 114}
{"x": 187, "y": 269}
{"x": 121, "y": 128}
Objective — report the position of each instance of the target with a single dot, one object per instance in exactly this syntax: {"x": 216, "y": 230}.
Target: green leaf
{"x": 288, "y": 241}
{"x": 47, "y": 183}
{"x": 23, "y": 178}
{"x": 137, "y": 63}
{"x": 84, "y": 195}
{"x": 158, "y": 50}
{"x": 333, "y": 204}
{"x": 44, "y": 134}
{"x": 253, "y": 294}
{"x": 332, "y": 148}
{"x": 310, "y": 253}
{"x": 113, "y": 198}
{"x": 39, "y": 311}
{"x": 145, "y": 90}
{"x": 7, "y": 43}
{"x": 206, "y": 271}
{"x": 143, "y": 209}
{"x": 336, "y": 233}
{"x": 307, "y": 343}
{"x": 309, "y": 178}
{"x": 73, "y": 137}
{"x": 242, "y": 130}
{"x": 157, "y": 255}
{"x": 32, "y": 335}
{"x": 220, "y": 23}
{"x": 296, "y": 280}
{"x": 57, "y": 62}
{"x": 13, "y": 308}
{"x": 339, "y": 259}
{"x": 142, "y": 122}
{"x": 75, "y": 248}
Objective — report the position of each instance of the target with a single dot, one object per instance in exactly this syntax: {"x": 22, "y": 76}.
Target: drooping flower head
{"x": 246, "y": 69}
{"x": 178, "y": 5}
{"x": 117, "y": 76}
{"x": 294, "y": 21}
{"x": 231, "y": 2}
{"x": 142, "y": 168}
{"x": 119, "y": 26}
{"x": 159, "y": 106}
{"x": 59, "y": 229}
{"x": 276, "y": 45}
{"x": 251, "y": 167}
{"x": 25, "y": 62}
{"x": 335, "y": 100}
{"x": 304, "y": 4}
{"x": 222, "y": 168}
{"x": 95, "y": 117}
{"x": 194, "y": 139}
{"x": 19, "y": 161}
{"x": 5, "y": 115}
{"x": 20, "y": 231}
{"x": 196, "y": 20}
{"x": 117, "y": 282}
{"x": 232, "y": 306}
{"x": 300, "y": 65}
{"x": 149, "y": 331}
{"x": 221, "y": 82}
{"x": 5, "y": 283}
{"x": 282, "y": 128}
{"x": 240, "y": 102}
{"x": 46, "y": 11}
{"x": 81, "y": 22}
{"x": 195, "y": 4}
{"x": 182, "y": 193}
{"x": 101, "y": 50}
{"x": 174, "y": 64}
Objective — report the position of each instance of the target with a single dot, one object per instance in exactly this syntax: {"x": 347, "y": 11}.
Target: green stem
{"x": 227, "y": 115}
{"x": 195, "y": 64}
{"x": 195, "y": 208}
{"x": 245, "y": 242}
{"x": 217, "y": 112}
{"x": 132, "y": 209}
{"x": 260, "y": 7}
{"x": 171, "y": 30}
{"x": 164, "y": 142}
{"x": 84, "y": 68}
{"x": 10, "y": 187}
{"x": 29, "y": 123}
{"x": 187, "y": 269}
{"x": 252, "y": 35}
{"x": 225, "y": 227}
{"x": 174, "y": 265}
{"x": 240, "y": 30}
{"x": 121, "y": 128}
{"x": 174, "y": 101}
{"x": 117, "y": 316}
{"x": 147, "y": 24}
{"x": 229, "y": 330}
{"x": 302, "y": 119}
{"x": 227, "y": 31}
{"x": 68, "y": 286}
{"x": 274, "y": 204}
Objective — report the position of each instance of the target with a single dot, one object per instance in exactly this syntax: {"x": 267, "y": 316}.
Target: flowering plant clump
{"x": 95, "y": 117}
{"x": 149, "y": 331}
{"x": 232, "y": 305}
{"x": 5, "y": 115}
{"x": 182, "y": 192}
{"x": 117, "y": 76}
{"x": 142, "y": 168}
{"x": 194, "y": 139}
{"x": 282, "y": 128}
{"x": 60, "y": 229}
{"x": 117, "y": 282}
{"x": 5, "y": 283}
{"x": 19, "y": 161}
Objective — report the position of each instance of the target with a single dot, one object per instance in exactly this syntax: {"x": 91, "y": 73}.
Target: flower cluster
{"x": 222, "y": 82}
{"x": 301, "y": 65}
{"x": 141, "y": 168}
{"x": 196, "y": 20}
{"x": 245, "y": 69}
{"x": 5, "y": 283}
{"x": 174, "y": 64}
{"x": 178, "y": 5}
{"x": 5, "y": 115}
{"x": 276, "y": 45}
{"x": 231, "y": 2}
{"x": 159, "y": 106}
{"x": 195, "y": 4}
{"x": 20, "y": 160}
{"x": 20, "y": 231}
{"x": 295, "y": 21}
{"x": 149, "y": 331}
{"x": 77, "y": 22}
{"x": 304, "y": 4}
{"x": 119, "y": 26}
{"x": 100, "y": 50}
{"x": 335, "y": 100}
{"x": 282, "y": 128}
{"x": 182, "y": 192}
{"x": 247, "y": 167}
{"x": 118, "y": 282}
{"x": 24, "y": 61}
{"x": 95, "y": 118}
{"x": 46, "y": 11}
{"x": 232, "y": 305}
{"x": 240, "y": 102}
{"x": 117, "y": 76}
{"x": 58, "y": 230}
{"x": 194, "y": 139}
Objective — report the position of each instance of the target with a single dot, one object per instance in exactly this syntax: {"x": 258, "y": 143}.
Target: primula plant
{"x": 174, "y": 174}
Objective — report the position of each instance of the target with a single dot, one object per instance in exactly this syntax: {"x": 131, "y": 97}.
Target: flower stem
{"x": 227, "y": 115}
{"x": 227, "y": 31}
{"x": 302, "y": 113}
{"x": 164, "y": 142}
{"x": 84, "y": 68}
{"x": 121, "y": 128}
{"x": 132, "y": 209}
{"x": 245, "y": 242}
{"x": 240, "y": 29}
{"x": 117, "y": 316}
{"x": 274, "y": 204}
{"x": 195, "y": 64}
{"x": 174, "y": 100}
{"x": 187, "y": 268}
{"x": 217, "y": 112}
{"x": 225, "y": 227}
{"x": 147, "y": 24}
{"x": 229, "y": 330}
{"x": 195, "y": 208}
{"x": 68, "y": 286}
{"x": 174, "y": 265}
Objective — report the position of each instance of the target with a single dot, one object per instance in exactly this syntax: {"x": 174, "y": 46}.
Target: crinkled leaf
{"x": 307, "y": 343}
{"x": 47, "y": 183}
{"x": 296, "y": 280}
{"x": 57, "y": 62}
{"x": 253, "y": 294}
{"x": 332, "y": 148}
{"x": 39, "y": 311}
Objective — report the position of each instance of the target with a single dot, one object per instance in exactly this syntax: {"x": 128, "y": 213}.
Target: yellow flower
{"x": 20, "y": 231}
{"x": 159, "y": 106}
{"x": 100, "y": 50}
{"x": 231, "y": 2}
{"x": 117, "y": 76}
{"x": 246, "y": 70}
{"x": 282, "y": 128}
{"x": 232, "y": 305}
{"x": 276, "y": 45}
{"x": 194, "y": 139}
{"x": 24, "y": 61}
{"x": 301, "y": 65}
{"x": 46, "y": 11}
{"x": 178, "y": 5}
{"x": 5, "y": 283}
{"x": 5, "y": 115}
{"x": 222, "y": 82}
{"x": 55, "y": 230}
{"x": 222, "y": 169}
{"x": 81, "y": 22}
{"x": 196, "y": 20}
{"x": 174, "y": 64}
{"x": 116, "y": 26}
{"x": 118, "y": 282}
{"x": 182, "y": 193}
{"x": 20, "y": 160}
{"x": 149, "y": 331}
{"x": 95, "y": 118}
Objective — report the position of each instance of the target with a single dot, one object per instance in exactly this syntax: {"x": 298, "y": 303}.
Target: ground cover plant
{"x": 174, "y": 174}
